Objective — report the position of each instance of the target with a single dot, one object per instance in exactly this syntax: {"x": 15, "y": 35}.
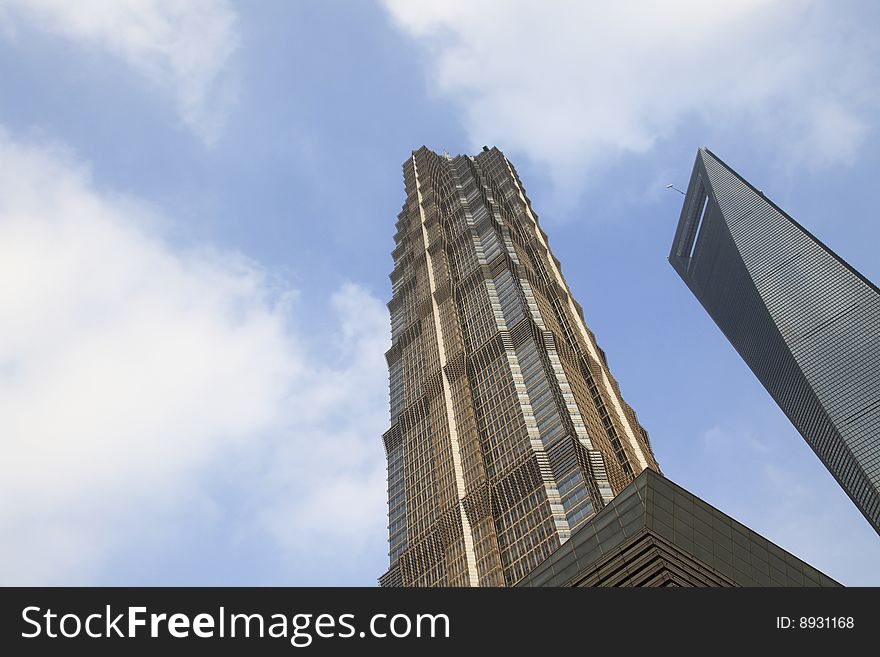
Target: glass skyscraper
{"x": 805, "y": 322}
{"x": 508, "y": 431}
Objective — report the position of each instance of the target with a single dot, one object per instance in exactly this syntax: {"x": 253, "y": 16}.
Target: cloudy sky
{"x": 197, "y": 202}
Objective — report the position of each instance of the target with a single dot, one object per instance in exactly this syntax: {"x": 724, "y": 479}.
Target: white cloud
{"x": 578, "y": 84}
{"x": 134, "y": 376}
{"x": 181, "y": 47}
{"x": 339, "y": 419}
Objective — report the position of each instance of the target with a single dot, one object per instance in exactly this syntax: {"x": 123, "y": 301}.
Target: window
{"x": 699, "y": 225}
{"x": 696, "y": 213}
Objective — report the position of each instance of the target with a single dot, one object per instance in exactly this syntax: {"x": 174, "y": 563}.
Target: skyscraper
{"x": 805, "y": 322}
{"x": 508, "y": 431}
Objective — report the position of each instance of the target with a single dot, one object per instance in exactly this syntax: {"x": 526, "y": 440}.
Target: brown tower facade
{"x": 508, "y": 431}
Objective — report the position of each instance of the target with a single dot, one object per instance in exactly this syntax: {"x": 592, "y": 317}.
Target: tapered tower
{"x": 804, "y": 321}
{"x": 508, "y": 431}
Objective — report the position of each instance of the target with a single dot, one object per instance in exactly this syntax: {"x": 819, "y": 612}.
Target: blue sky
{"x": 197, "y": 204}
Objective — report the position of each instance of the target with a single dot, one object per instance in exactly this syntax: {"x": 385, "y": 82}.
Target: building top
{"x": 690, "y": 221}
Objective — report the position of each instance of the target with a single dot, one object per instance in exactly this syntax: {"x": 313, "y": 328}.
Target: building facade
{"x": 655, "y": 533}
{"x": 508, "y": 431}
{"x": 805, "y": 322}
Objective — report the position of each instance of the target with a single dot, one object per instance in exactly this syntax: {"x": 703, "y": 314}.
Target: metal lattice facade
{"x": 508, "y": 431}
{"x": 805, "y": 322}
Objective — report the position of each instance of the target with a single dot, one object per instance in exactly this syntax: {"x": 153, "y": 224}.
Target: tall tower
{"x": 805, "y": 322}
{"x": 508, "y": 431}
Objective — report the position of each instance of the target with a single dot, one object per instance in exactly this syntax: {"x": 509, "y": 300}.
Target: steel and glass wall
{"x": 507, "y": 429}
{"x": 805, "y": 322}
